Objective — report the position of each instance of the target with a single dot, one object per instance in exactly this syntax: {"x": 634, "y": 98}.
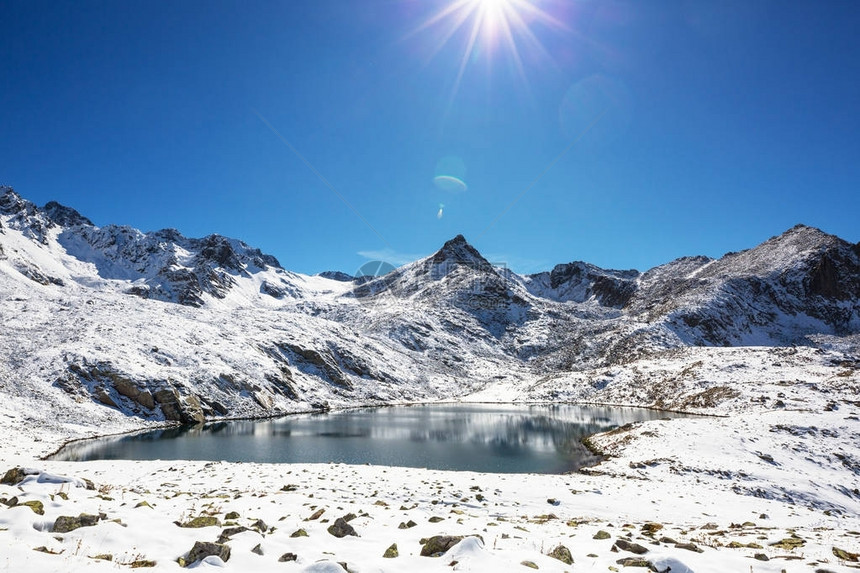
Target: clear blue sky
{"x": 719, "y": 123}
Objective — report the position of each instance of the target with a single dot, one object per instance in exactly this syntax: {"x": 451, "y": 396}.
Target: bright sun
{"x": 489, "y": 24}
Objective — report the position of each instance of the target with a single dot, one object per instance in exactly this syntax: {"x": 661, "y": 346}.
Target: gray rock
{"x": 562, "y": 553}
{"x": 439, "y": 544}
{"x": 630, "y": 546}
{"x": 13, "y": 477}
{"x": 340, "y": 528}
{"x": 204, "y": 549}
{"x": 66, "y": 523}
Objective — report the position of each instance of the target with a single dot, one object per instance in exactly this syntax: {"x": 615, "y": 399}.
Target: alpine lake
{"x": 497, "y": 438}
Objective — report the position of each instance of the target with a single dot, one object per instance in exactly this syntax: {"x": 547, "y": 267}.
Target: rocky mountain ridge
{"x": 160, "y": 326}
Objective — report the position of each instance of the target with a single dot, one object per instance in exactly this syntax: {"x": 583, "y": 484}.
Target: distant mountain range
{"x": 161, "y": 326}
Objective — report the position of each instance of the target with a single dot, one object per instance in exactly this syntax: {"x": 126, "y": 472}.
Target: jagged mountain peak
{"x": 459, "y": 251}
{"x": 65, "y": 216}
{"x": 11, "y": 203}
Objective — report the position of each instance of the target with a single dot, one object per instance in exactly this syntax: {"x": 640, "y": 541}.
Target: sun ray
{"x": 494, "y": 25}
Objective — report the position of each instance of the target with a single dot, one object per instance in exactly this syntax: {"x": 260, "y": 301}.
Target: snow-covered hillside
{"x": 159, "y": 326}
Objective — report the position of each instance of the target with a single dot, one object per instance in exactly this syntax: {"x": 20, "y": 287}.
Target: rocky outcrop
{"x": 105, "y": 384}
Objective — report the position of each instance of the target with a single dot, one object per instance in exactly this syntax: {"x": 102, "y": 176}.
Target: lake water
{"x": 476, "y": 437}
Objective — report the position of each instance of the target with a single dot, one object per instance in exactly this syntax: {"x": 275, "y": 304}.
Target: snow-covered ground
{"x": 773, "y": 473}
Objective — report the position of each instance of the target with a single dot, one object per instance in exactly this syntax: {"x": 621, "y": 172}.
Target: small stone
{"x": 202, "y": 521}
{"x": 288, "y": 557}
{"x": 299, "y": 533}
{"x": 529, "y": 564}
{"x": 316, "y": 515}
{"x": 408, "y": 525}
{"x": 436, "y": 519}
{"x": 102, "y": 557}
{"x": 66, "y": 523}
{"x": 789, "y": 543}
{"x": 689, "y": 547}
{"x": 601, "y": 535}
{"x": 562, "y": 553}
{"x": 290, "y": 487}
{"x": 634, "y": 562}
{"x": 257, "y": 549}
{"x": 439, "y": 544}
{"x": 845, "y": 555}
{"x": 391, "y": 552}
{"x": 630, "y": 546}
{"x": 36, "y": 506}
{"x": 553, "y": 501}
{"x": 232, "y": 515}
{"x": 204, "y": 549}
{"x": 761, "y": 557}
{"x": 141, "y": 563}
{"x": 260, "y": 526}
{"x": 340, "y": 528}
{"x": 143, "y": 504}
{"x": 651, "y": 528}
{"x": 230, "y": 532}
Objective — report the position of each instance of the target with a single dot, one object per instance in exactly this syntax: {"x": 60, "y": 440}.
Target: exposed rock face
{"x": 65, "y": 216}
{"x": 337, "y": 276}
{"x": 107, "y": 385}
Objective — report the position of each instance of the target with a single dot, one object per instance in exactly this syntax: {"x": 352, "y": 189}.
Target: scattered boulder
{"x": 408, "y": 525}
{"x": 232, "y": 515}
{"x": 258, "y": 550}
{"x": 391, "y": 552}
{"x": 689, "y": 547}
{"x": 299, "y": 533}
{"x": 761, "y": 557}
{"x": 13, "y": 476}
{"x": 651, "y": 528}
{"x": 340, "y": 528}
{"x": 601, "y": 535}
{"x": 436, "y": 519}
{"x": 316, "y": 515}
{"x": 204, "y": 549}
{"x": 530, "y": 564}
{"x": 439, "y": 544}
{"x": 288, "y": 557}
{"x": 66, "y": 523}
{"x": 630, "y": 546}
{"x": 562, "y": 553}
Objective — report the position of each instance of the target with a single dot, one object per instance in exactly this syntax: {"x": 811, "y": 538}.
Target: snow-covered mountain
{"x": 161, "y": 326}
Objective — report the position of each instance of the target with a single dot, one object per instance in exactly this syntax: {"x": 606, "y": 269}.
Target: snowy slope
{"x": 112, "y": 329}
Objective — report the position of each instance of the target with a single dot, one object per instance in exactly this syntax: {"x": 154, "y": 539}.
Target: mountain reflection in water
{"x": 474, "y": 437}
